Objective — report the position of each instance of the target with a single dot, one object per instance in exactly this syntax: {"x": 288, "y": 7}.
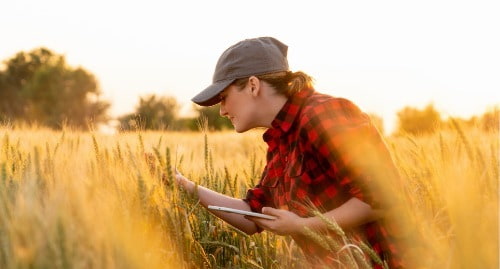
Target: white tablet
{"x": 242, "y": 212}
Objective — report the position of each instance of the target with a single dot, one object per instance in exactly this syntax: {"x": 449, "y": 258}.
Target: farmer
{"x": 323, "y": 153}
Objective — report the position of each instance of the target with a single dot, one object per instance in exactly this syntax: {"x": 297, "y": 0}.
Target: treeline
{"x": 161, "y": 113}
{"x": 39, "y": 87}
{"x": 427, "y": 120}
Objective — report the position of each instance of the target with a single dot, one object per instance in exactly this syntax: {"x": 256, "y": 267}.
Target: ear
{"x": 255, "y": 85}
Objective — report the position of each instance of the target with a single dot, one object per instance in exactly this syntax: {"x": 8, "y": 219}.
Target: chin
{"x": 241, "y": 129}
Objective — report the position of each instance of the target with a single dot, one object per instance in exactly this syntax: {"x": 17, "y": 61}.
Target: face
{"x": 239, "y": 106}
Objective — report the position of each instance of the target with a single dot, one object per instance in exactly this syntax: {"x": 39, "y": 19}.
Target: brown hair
{"x": 287, "y": 83}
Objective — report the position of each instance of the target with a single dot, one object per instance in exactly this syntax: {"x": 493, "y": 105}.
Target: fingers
{"x": 183, "y": 182}
{"x": 180, "y": 179}
{"x": 177, "y": 173}
{"x": 259, "y": 221}
{"x": 268, "y": 225}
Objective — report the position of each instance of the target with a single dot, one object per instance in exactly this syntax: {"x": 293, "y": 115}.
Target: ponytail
{"x": 296, "y": 82}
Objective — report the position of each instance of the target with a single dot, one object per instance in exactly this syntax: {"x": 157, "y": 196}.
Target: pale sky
{"x": 382, "y": 55}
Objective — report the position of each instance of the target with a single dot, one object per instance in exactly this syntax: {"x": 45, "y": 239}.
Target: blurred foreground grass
{"x": 88, "y": 200}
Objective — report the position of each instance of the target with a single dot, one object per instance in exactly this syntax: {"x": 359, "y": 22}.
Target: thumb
{"x": 270, "y": 211}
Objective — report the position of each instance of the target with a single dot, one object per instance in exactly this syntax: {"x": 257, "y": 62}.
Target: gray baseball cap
{"x": 250, "y": 57}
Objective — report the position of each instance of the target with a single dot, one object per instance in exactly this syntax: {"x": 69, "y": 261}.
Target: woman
{"x": 323, "y": 153}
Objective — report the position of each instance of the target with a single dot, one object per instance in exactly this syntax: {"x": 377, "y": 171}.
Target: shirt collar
{"x": 288, "y": 113}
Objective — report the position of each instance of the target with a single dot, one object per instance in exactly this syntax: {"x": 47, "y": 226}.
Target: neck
{"x": 274, "y": 103}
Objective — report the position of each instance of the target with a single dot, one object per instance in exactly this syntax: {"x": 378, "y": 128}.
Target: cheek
{"x": 234, "y": 105}
{"x": 246, "y": 113}
{"x": 241, "y": 107}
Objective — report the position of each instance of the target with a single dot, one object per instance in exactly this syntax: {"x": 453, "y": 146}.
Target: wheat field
{"x": 72, "y": 199}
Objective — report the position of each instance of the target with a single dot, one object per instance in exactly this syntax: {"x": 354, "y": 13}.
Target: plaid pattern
{"x": 322, "y": 152}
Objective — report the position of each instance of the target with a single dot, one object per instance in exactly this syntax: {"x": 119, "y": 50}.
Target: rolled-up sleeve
{"x": 256, "y": 198}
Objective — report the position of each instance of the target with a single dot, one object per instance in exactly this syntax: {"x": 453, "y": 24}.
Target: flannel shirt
{"x": 322, "y": 151}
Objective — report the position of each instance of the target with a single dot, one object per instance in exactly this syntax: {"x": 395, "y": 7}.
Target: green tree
{"x": 414, "y": 121}
{"x": 19, "y": 70}
{"x": 39, "y": 86}
{"x": 152, "y": 113}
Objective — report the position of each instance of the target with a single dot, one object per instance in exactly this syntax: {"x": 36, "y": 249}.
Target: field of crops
{"x": 73, "y": 199}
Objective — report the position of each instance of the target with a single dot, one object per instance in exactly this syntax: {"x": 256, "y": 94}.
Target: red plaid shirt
{"x": 319, "y": 152}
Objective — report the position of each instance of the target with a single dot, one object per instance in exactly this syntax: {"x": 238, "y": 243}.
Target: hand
{"x": 287, "y": 222}
{"x": 185, "y": 183}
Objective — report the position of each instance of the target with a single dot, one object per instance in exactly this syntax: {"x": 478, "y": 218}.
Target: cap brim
{"x": 209, "y": 96}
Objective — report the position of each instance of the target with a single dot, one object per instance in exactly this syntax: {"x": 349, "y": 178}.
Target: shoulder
{"x": 325, "y": 109}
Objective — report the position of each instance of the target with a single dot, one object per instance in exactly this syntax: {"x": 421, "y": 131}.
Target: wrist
{"x": 188, "y": 185}
{"x": 310, "y": 222}
{"x": 304, "y": 222}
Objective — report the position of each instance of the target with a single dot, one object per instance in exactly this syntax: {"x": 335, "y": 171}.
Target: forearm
{"x": 210, "y": 197}
{"x": 349, "y": 215}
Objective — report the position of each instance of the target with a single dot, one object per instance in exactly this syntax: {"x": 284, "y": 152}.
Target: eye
{"x": 222, "y": 96}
